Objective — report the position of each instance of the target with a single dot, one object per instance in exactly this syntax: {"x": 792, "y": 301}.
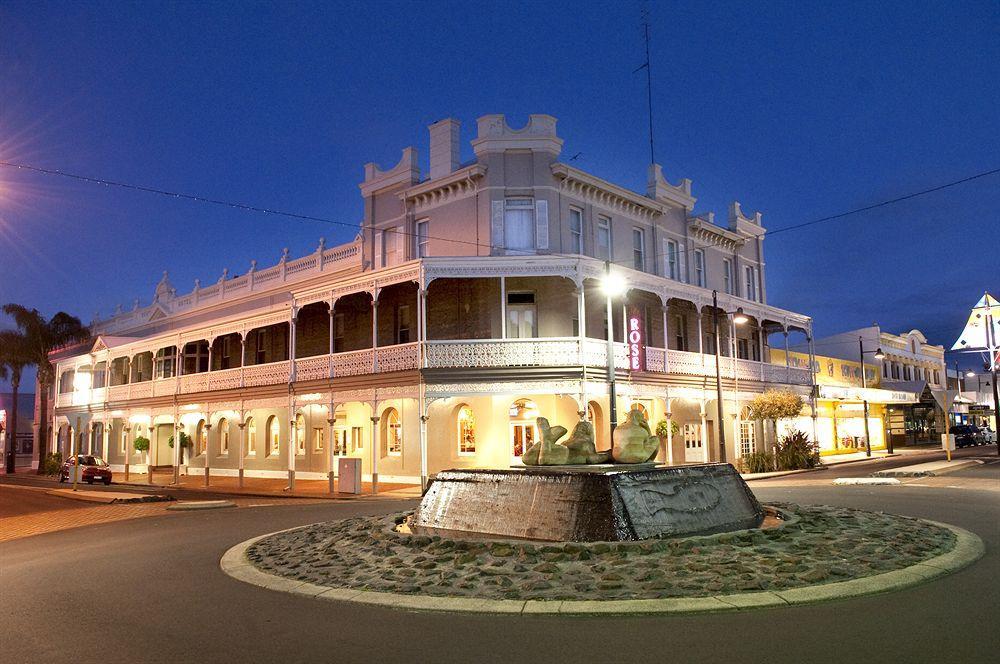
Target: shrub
{"x": 795, "y": 451}
{"x": 185, "y": 440}
{"x": 775, "y": 405}
{"x": 758, "y": 462}
{"x": 141, "y": 444}
{"x": 53, "y": 463}
{"x": 661, "y": 428}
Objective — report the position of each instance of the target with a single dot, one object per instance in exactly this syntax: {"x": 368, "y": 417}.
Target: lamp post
{"x": 879, "y": 355}
{"x": 613, "y": 285}
{"x": 739, "y": 318}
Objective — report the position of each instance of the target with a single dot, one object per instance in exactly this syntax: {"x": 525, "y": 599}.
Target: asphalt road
{"x": 150, "y": 590}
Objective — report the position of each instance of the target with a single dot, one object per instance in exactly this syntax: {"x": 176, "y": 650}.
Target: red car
{"x": 94, "y": 469}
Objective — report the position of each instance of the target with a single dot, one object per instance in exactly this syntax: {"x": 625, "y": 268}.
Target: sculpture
{"x": 633, "y": 440}
{"x": 578, "y": 449}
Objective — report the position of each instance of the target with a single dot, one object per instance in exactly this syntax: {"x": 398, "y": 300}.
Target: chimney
{"x": 444, "y": 147}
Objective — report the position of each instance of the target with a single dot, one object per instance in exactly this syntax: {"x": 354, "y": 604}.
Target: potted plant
{"x": 185, "y": 442}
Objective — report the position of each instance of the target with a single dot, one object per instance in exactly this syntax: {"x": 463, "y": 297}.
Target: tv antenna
{"x": 644, "y": 14}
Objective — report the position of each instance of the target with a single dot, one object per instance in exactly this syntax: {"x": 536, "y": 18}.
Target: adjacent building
{"x": 469, "y": 304}
{"x": 22, "y": 440}
{"x": 911, "y": 365}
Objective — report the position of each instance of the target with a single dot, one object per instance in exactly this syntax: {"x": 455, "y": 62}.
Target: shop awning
{"x": 871, "y": 395}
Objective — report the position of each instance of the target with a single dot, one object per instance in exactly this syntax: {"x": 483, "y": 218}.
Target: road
{"x": 150, "y": 590}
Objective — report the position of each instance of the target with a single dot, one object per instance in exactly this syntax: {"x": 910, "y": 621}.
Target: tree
{"x": 41, "y": 338}
{"x": 775, "y": 405}
{"x": 15, "y": 355}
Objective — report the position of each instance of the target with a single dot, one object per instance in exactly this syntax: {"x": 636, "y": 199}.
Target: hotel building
{"x": 469, "y": 303}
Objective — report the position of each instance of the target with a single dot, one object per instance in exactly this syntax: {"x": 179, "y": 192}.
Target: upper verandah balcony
{"x": 442, "y": 313}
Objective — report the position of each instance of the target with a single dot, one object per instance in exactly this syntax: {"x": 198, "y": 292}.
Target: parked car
{"x": 967, "y": 435}
{"x": 92, "y": 469}
{"x": 989, "y": 435}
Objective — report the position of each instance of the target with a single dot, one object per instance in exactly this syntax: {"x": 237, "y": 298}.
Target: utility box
{"x": 349, "y": 475}
{"x": 948, "y": 441}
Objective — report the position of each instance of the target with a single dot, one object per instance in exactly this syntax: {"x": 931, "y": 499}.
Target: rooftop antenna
{"x": 644, "y": 14}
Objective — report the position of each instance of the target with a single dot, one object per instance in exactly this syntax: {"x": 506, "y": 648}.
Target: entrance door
{"x": 693, "y": 446}
{"x": 522, "y": 321}
{"x": 522, "y": 435}
{"x": 164, "y": 455}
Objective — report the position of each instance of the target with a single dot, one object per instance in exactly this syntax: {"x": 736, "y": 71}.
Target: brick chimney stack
{"x": 444, "y": 147}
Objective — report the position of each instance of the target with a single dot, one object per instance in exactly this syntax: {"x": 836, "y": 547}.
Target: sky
{"x": 799, "y": 110}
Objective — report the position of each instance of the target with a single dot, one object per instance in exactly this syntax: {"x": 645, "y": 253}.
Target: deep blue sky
{"x": 798, "y": 109}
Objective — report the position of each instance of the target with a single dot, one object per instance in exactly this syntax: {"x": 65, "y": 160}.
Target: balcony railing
{"x": 459, "y": 354}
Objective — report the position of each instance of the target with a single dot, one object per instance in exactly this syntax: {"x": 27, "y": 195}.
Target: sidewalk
{"x": 826, "y": 462}
{"x": 262, "y": 486}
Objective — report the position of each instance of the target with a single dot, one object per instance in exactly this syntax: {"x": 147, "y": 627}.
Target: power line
{"x": 231, "y": 204}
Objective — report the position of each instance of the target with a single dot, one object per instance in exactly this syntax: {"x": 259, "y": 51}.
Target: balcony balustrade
{"x": 467, "y": 353}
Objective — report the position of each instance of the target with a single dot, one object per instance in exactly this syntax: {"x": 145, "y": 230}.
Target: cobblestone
{"x": 814, "y": 545}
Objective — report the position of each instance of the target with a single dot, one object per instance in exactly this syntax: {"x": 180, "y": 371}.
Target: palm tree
{"x": 14, "y": 357}
{"x": 42, "y": 337}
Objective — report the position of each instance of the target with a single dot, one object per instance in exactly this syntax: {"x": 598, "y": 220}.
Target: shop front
{"x": 840, "y": 417}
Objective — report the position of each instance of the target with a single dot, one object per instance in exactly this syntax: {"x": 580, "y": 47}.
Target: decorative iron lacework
{"x": 271, "y": 373}
{"x": 568, "y": 387}
{"x": 353, "y": 363}
{"x": 312, "y": 368}
{"x": 399, "y": 357}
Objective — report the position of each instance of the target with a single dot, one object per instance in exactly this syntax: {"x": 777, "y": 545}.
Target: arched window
{"x": 340, "y": 431}
{"x": 201, "y": 438}
{"x": 300, "y": 434}
{"x": 466, "y": 431}
{"x": 124, "y": 441}
{"x": 97, "y": 439}
{"x": 748, "y": 432}
{"x": 594, "y": 416}
{"x": 639, "y": 406}
{"x": 392, "y": 432}
{"x": 223, "y": 436}
{"x": 523, "y": 430}
{"x": 251, "y": 429}
{"x": 273, "y": 436}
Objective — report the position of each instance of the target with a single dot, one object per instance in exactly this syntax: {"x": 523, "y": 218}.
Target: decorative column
{"x": 125, "y": 451}
{"x": 503, "y": 307}
{"x": 331, "y": 444}
{"x": 422, "y": 440}
{"x": 293, "y": 442}
{"x": 291, "y": 344}
{"x": 243, "y": 447}
{"x": 813, "y": 389}
{"x": 666, "y": 337}
{"x": 422, "y": 325}
{"x": 329, "y": 370}
{"x": 670, "y": 435}
{"x": 375, "y": 295}
{"x": 106, "y": 442}
{"x": 581, "y": 316}
{"x": 149, "y": 452}
{"x": 208, "y": 445}
{"x": 243, "y": 358}
{"x": 704, "y": 433}
{"x": 375, "y": 450}
{"x": 788, "y": 365}
{"x": 178, "y": 448}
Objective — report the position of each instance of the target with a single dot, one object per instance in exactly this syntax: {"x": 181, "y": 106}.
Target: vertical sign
{"x": 636, "y": 342}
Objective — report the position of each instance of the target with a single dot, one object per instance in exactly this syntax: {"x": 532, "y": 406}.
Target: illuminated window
{"x": 519, "y": 224}
{"x": 223, "y": 436}
{"x": 692, "y": 436}
{"x": 641, "y": 408}
{"x": 523, "y": 430}
{"x": 747, "y": 433}
{"x": 392, "y": 432}
{"x": 300, "y": 434}
{"x": 319, "y": 439}
{"x": 273, "y": 436}
{"x": 201, "y": 437}
{"x": 251, "y": 429}
{"x": 466, "y": 431}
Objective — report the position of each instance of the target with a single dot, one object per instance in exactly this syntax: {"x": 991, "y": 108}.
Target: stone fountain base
{"x": 588, "y": 503}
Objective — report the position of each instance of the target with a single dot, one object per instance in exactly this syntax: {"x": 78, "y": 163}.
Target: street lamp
{"x": 613, "y": 285}
{"x": 878, "y": 355}
{"x": 739, "y": 318}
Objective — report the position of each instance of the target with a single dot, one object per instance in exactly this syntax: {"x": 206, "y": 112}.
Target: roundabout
{"x": 803, "y": 555}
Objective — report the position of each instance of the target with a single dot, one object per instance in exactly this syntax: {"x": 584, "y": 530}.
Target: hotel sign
{"x": 636, "y": 342}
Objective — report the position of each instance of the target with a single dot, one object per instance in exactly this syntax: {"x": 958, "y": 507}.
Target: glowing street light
{"x": 739, "y": 318}
{"x": 614, "y": 285}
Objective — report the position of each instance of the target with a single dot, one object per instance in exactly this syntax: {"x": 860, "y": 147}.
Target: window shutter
{"x": 756, "y": 285}
{"x": 378, "y": 250}
{"x": 496, "y": 227}
{"x": 665, "y": 253}
{"x": 682, "y": 262}
{"x": 400, "y": 244}
{"x": 542, "y": 224}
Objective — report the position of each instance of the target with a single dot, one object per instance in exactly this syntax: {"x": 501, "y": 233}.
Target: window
{"x": 575, "y": 231}
{"x": 201, "y": 438}
{"x": 423, "y": 242}
{"x": 318, "y": 438}
{"x": 300, "y": 434}
{"x": 403, "y": 324}
{"x": 869, "y": 374}
{"x": 743, "y": 349}
{"x": 680, "y": 332}
{"x": 671, "y": 268}
{"x": 522, "y": 320}
{"x": 466, "y": 431}
{"x": 699, "y": 267}
{"x": 223, "y": 436}
{"x": 393, "y": 253}
{"x": 643, "y": 410}
{"x": 692, "y": 436}
{"x": 523, "y": 430}
{"x": 260, "y": 348}
{"x": 604, "y": 237}
{"x": 338, "y": 333}
{"x": 906, "y": 372}
{"x": 885, "y": 370}
{"x": 895, "y": 371}
{"x": 845, "y": 371}
{"x": 225, "y": 352}
{"x": 748, "y": 433}
{"x": 124, "y": 440}
{"x": 273, "y": 436}
{"x": 392, "y": 432}
{"x": 638, "y": 249}
{"x": 518, "y": 224}
{"x": 937, "y": 377}
{"x": 727, "y": 276}
{"x": 251, "y": 428}
{"x": 357, "y": 438}
{"x": 166, "y": 362}
{"x": 751, "y": 283}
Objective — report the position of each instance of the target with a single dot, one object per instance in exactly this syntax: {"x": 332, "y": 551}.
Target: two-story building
{"x": 469, "y": 304}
